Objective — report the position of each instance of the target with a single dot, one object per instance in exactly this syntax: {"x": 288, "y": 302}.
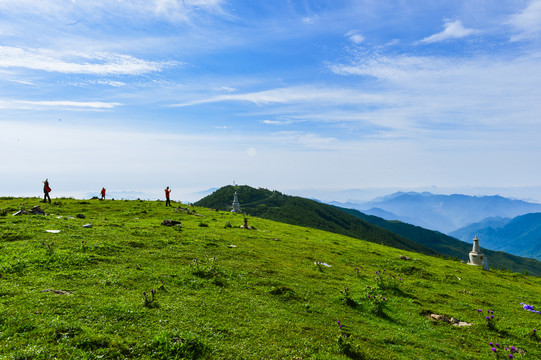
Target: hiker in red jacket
{"x": 167, "y": 200}
{"x": 46, "y": 191}
{"x": 102, "y": 192}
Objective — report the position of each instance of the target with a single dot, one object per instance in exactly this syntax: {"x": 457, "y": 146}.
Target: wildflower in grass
{"x": 347, "y": 297}
{"x": 491, "y": 321}
{"x": 375, "y": 300}
{"x": 387, "y": 281}
{"x": 344, "y": 341}
{"x": 150, "y": 301}
{"x": 507, "y": 353}
{"x": 529, "y": 308}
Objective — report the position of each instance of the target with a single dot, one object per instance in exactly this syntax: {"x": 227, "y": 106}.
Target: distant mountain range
{"x": 520, "y": 235}
{"x": 294, "y": 210}
{"x": 444, "y": 213}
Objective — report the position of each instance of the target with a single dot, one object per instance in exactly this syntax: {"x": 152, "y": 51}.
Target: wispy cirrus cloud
{"x": 452, "y": 30}
{"x": 450, "y": 93}
{"x": 277, "y": 122}
{"x": 293, "y": 94}
{"x": 173, "y": 10}
{"x": 307, "y": 140}
{"x": 355, "y": 37}
{"x": 393, "y": 68}
{"x": 64, "y": 104}
{"x": 69, "y": 62}
{"x": 527, "y": 23}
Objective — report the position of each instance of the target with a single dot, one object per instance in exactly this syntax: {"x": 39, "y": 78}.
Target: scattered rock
{"x": 404, "y": 257}
{"x": 80, "y": 216}
{"x": 452, "y": 320}
{"x": 53, "y": 231}
{"x": 322, "y": 264}
{"x": 87, "y": 225}
{"x": 232, "y": 246}
{"x": 36, "y": 210}
{"x": 171, "y": 223}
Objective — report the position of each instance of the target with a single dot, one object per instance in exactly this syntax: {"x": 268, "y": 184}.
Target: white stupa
{"x": 236, "y": 205}
{"x": 476, "y": 256}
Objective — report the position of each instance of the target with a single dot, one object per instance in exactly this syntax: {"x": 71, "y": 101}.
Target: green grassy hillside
{"x": 129, "y": 287}
{"x": 295, "y": 210}
{"x": 449, "y": 246}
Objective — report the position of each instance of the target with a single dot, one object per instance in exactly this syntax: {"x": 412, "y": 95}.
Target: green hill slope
{"x": 450, "y": 246}
{"x": 294, "y": 210}
{"x": 128, "y": 287}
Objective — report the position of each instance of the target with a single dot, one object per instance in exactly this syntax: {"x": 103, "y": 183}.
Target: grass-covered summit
{"x": 129, "y": 287}
{"x": 295, "y": 210}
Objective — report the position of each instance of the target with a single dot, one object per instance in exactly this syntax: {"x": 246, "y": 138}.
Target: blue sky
{"x": 330, "y": 99}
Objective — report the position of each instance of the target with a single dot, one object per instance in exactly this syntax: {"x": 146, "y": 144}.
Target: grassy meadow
{"x": 129, "y": 287}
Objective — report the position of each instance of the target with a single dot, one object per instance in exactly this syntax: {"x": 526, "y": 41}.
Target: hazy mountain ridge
{"x": 444, "y": 213}
{"x": 447, "y": 245}
{"x": 294, "y": 210}
{"x": 274, "y": 205}
{"x": 520, "y": 236}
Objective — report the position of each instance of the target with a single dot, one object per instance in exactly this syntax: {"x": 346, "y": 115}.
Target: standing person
{"x": 102, "y": 192}
{"x": 46, "y": 191}
{"x": 167, "y": 199}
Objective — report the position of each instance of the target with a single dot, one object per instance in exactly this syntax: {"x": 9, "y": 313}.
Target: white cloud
{"x": 294, "y": 94}
{"x": 173, "y": 10}
{"x": 308, "y": 140}
{"x": 23, "y": 104}
{"x": 277, "y": 122}
{"x": 70, "y": 62}
{"x": 528, "y": 22}
{"x": 228, "y": 89}
{"x": 111, "y": 83}
{"x": 394, "y": 68}
{"x": 452, "y": 30}
{"x": 310, "y": 19}
{"x": 444, "y": 96}
{"x": 355, "y": 37}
